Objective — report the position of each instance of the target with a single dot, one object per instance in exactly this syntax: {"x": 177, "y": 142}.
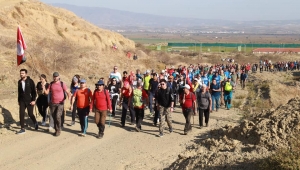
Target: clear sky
{"x": 204, "y": 9}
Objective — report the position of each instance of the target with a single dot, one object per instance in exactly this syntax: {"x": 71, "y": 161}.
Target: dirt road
{"x": 121, "y": 148}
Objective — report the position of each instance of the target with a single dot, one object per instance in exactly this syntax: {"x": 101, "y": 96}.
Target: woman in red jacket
{"x": 102, "y": 104}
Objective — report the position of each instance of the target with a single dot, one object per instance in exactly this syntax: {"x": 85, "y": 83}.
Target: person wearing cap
{"x": 126, "y": 94}
{"x": 196, "y": 86}
{"x": 83, "y": 97}
{"x": 26, "y": 99}
{"x": 165, "y": 103}
{"x": 188, "y": 100}
{"x": 114, "y": 90}
{"x": 101, "y": 104}
{"x": 58, "y": 93}
{"x": 73, "y": 87}
{"x": 42, "y": 100}
{"x": 204, "y": 105}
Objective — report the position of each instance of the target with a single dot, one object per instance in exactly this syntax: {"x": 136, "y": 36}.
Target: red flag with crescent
{"x": 21, "y": 47}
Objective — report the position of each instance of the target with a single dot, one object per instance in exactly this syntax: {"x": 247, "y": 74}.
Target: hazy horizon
{"x": 233, "y": 10}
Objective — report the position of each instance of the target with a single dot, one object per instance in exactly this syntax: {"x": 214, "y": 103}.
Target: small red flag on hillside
{"x": 21, "y": 47}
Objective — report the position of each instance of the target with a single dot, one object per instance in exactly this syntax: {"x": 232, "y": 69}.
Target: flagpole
{"x": 34, "y": 66}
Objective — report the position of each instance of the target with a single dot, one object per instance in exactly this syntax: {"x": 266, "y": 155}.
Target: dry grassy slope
{"x": 53, "y": 33}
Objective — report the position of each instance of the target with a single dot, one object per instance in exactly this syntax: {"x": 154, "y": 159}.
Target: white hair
{"x": 204, "y": 85}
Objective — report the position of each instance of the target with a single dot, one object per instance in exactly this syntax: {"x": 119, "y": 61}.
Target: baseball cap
{"x": 187, "y": 86}
{"x": 82, "y": 81}
{"x": 100, "y": 82}
{"x": 55, "y": 74}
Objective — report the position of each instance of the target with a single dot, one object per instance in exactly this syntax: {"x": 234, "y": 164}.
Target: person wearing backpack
{"x": 139, "y": 95}
{"x": 165, "y": 103}
{"x": 83, "y": 97}
{"x": 26, "y": 99}
{"x": 152, "y": 90}
{"x": 102, "y": 104}
{"x": 188, "y": 107}
{"x": 126, "y": 94}
{"x": 228, "y": 89}
{"x": 58, "y": 92}
{"x": 204, "y": 105}
{"x": 215, "y": 94}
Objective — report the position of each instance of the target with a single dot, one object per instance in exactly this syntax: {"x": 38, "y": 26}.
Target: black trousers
{"x": 204, "y": 112}
{"x": 187, "y": 115}
{"x": 42, "y": 105}
{"x": 114, "y": 104}
{"x": 156, "y": 114}
{"x": 83, "y": 114}
{"x": 29, "y": 108}
{"x": 125, "y": 106}
{"x": 74, "y": 110}
{"x": 139, "y": 116}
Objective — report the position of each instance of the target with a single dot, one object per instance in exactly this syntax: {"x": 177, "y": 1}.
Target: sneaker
{"x": 21, "y": 132}
{"x": 185, "y": 133}
{"x": 72, "y": 123}
{"x": 83, "y": 135}
{"x": 206, "y": 124}
{"x": 36, "y": 127}
{"x": 43, "y": 123}
{"x": 131, "y": 123}
{"x": 161, "y": 135}
{"x": 171, "y": 130}
{"x": 137, "y": 129}
{"x": 50, "y": 129}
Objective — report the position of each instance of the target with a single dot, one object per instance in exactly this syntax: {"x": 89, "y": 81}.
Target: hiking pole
{"x": 109, "y": 119}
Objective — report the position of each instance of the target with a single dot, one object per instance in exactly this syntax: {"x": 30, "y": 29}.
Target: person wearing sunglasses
{"x": 165, "y": 103}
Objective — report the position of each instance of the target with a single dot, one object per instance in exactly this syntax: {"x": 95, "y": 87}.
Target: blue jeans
{"x": 151, "y": 96}
{"x": 227, "y": 99}
{"x": 215, "y": 99}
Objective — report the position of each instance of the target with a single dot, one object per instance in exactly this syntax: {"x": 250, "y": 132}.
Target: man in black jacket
{"x": 165, "y": 103}
{"x": 26, "y": 99}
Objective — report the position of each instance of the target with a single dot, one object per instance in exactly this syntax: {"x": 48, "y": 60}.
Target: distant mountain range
{"x": 117, "y": 19}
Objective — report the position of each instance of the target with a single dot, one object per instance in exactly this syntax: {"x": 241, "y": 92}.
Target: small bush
{"x": 59, "y": 32}
{"x": 55, "y": 21}
{"x": 19, "y": 11}
{"x": 242, "y": 96}
{"x": 236, "y": 104}
{"x": 121, "y": 42}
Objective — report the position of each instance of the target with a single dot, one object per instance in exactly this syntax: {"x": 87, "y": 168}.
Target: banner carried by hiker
{"x": 21, "y": 47}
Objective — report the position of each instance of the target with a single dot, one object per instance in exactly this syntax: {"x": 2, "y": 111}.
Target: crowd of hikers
{"x": 196, "y": 89}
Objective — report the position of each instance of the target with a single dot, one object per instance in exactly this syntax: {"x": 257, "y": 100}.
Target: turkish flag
{"x": 21, "y": 47}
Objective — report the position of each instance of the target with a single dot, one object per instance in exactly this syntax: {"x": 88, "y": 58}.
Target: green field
{"x": 212, "y": 49}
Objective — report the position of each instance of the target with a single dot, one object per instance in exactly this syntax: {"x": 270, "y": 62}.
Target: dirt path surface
{"x": 121, "y": 148}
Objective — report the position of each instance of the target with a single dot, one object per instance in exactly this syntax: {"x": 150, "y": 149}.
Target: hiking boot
{"x": 137, "y": 129}
{"x": 185, "y": 133}
{"x": 161, "y": 135}
{"x": 72, "y": 123}
{"x": 21, "y": 132}
{"x": 36, "y": 127}
{"x": 57, "y": 133}
{"x": 171, "y": 130}
{"x": 200, "y": 127}
{"x": 100, "y": 136}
